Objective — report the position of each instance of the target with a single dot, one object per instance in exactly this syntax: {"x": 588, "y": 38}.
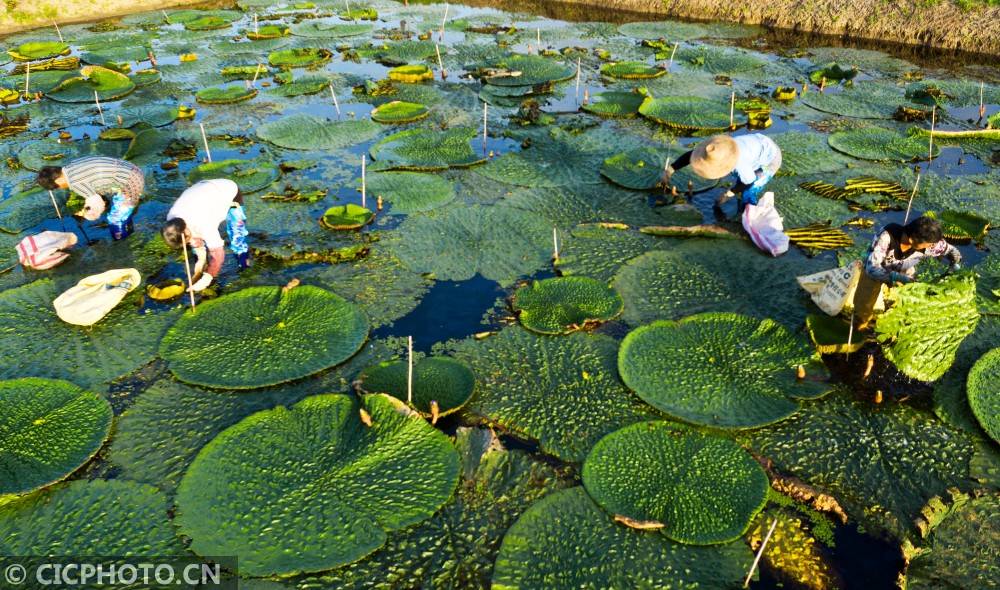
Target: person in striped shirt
{"x": 99, "y": 179}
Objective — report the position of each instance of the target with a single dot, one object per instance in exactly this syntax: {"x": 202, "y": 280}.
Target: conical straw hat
{"x": 715, "y": 157}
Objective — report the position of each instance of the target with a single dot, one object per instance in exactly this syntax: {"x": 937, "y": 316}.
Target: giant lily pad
{"x": 562, "y": 392}
{"x": 565, "y": 541}
{"x": 225, "y": 94}
{"x": 690, "y": 113}
{"x": 321, "y": 29}
{"x": 209, "y": 22}
{"x": 301, "y": 87}
{"x": 565, "y": 304}
{"x": 807, "y": 153}
{"x": 404, "y": 52}
{"x": 250, "y": 175}
{"x": 926, "y": 324}
{"x": 631, "y": 70}
{"x": 643, "y": 169}
{"x": 984, "y": 392}
{"x": 33, "y": 50}
{"x": 108, "y": 84}
{"x": 349, "y": 216}
{"x": 718, "y": 369}
{"x": 411, "y": 192}
{"x": 876, "y": 143}
{"x": 120, "y": 518}
{"x": 615, "y": 104}
{"x": 411, "y": 74}
{"x": 307, "y": 132}
{"x": 299, "y": 58}
{"x": 882, "y": 464}
{"x": 398, "y": 112}
{"x": 864, "y": 100}
{"x": 599, "y": 250}
{"x": 442, "y": 380}
{"x": 703, "y": 489}
{"x": 529, "y": 70}
{"x": 310, "y": 519}
{"x": 49, "y": 428}
{"x": 424, "y": 149}
{"x": 24, "y": 210}
{"x": 262, "y": 336}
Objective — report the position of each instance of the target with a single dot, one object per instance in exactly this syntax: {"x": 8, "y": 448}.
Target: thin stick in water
{"x": 336, "y": 105}
{"x": 58, "y": 32}
{"x": 909, "y": 203}
{"x": 672, "y": 52}
{"x": 760, "y": 552}
{"x": 349, "y": 15}
{"x": 100, "y": 111}
{"x": 437, "y": 51}
{"x": 732, "y": 110}
{"x": 187, "y": 270}
{"x": 165, "y": 16}
{"x": 27, "y": 77}
{"x": 255, "y": 74}
{"x": 204, "y": 139}
{"x": 364, "y": 181}
{"x": 256, "y": 29}
{"x": 409, "y": 370}
{"x": 56, "y": 205}
{"x": 850, "y": 334}
{"x": 930, "y": 139}
{"x": 555, "y": 244}
{"x": 578, "y": 80}
{"x": 485, "y": 107}
{"x": 538, "y": 38}
{"x": 443, "y": 21}
{"x": 982, "y": 105}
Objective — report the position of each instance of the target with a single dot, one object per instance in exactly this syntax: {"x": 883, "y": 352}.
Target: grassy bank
{"x": 16, "y": 15}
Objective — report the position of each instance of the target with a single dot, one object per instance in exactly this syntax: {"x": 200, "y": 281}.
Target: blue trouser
{"x": 236, "y": 228}
{"x": 751, "y": 194}
{"x": 120, "y": 217}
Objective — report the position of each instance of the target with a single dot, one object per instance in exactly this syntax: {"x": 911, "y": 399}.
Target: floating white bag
{"x": 93, "y": 297}
{"x": 763, "y": 223}
{"x": 45, "y": 250}
{"x": 832, "y": 289}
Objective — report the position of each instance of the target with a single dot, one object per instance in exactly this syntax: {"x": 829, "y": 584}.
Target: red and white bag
{"x": 45, "y": 250}
{"x": 765, "y": 227}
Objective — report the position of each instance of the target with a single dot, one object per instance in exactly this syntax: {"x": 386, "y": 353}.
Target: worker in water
{"x": 194, "y": 220}
{"x": 98, "y": 180}
{"x": 753, "y": 159}
{"x": 893, "y": 258}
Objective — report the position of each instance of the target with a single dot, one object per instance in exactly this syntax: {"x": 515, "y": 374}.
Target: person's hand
{"x": 202, "y": 283}
{"x": 93, "y": 208}
{"x": 898, "y": 277}
{"x": 956, "y": 266}
{"x": 668, "y": 172}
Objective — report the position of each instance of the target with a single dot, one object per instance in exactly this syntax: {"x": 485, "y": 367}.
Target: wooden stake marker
{"x": 485, "y": 108}
{"x": 336, "y": 105}
{"x": 555, "y": 245}
{"x": 930, "y": 139}
{"x": 27, "y": 78}
{"x": 437, "y": 51}
{"x": 204, "y": 139}
{"x": 578, "y": 80}
{"x": 443, "y": 21}
{"x": 349, "y": 15}
{"x": 672, "y": 52}
{"x": 56, "y": 205}
{"x": 256, "y": 29}
{"x": 187, "y": 270}
{"x": 255, "y": 74}
{"x": 760, "y": 552}
{"x": 58, "y": 32}
{"x": 364, "y": 181}
{"x": 850, "y": 335}
{"x": 409, "y": 370}
{"x": 100, "y": 111}
{"x": 909, "y": 203}
{"x": 732, "y": 110}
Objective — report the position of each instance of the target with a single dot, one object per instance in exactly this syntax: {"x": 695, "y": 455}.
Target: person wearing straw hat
{"x": 98, "y": 180}
{"x": 754, "y": 159}
{"x": 194, "y": 220}
{"x": 892, "y": 259}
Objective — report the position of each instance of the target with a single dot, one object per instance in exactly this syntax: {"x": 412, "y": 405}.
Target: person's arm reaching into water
{"x": 874, "y": 264}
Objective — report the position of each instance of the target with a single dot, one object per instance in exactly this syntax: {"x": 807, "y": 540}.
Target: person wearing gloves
{"x": 98, "y": 179}
{"x": 194, "y": 219}
{"x": 754, "y": 159}
{"x": 893, "y": 258}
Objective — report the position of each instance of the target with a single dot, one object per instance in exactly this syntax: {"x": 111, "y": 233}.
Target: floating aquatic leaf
{"x": 718, "y": 60}
{"x": 681, "y": 31}
{"x": 702, "y": 489}
{"x": 225, "y": 95}
{"x": 524, "y": 380}
{"x": 267, "y": 32}
{"x": 864, "y": 100}
{"x": 599, "y": 250}
{"x": 398, "y": 112}
{"x": 984, "y": 395}
{"x": 926, "y": 324}
{"x": 33, "y": 50}
{"x": 411, "y": 74}
{"x": 793, "y": 551}
{"x": 207, "y": 23}
{"x": 349, "y": 216}
{"x": 960, "y": 226}
{"x": 882, "y": 464}
{"x": 299, "y": 58}
{"x": 444, "y": 381}
{"x": 250, "y": 175}
{"x": 807, "y": 153}
{"x": 411, "y": 192}
{"x": 566, "y": 541}
{"x": 322, "y": 29}
{"x": 565, "y": 304}
{"x": 876, "y": 143}
{"x": 155, "y": 115}
{"x": 120, "y": 518}
{"x": 631, "y": 70}
{"x": 49, "y": 428}
{"x": 108, "y": 84}
{"x": 404, "y": 52}
{"x": 262, "y": 336}
{"x": 832, "y": 72}
{"x": 402, "y": 467}
{"x": 424, "y": 149}
{"x": 301, "y": 87}
{"x": 615, "y": 104}
{"x": 308, "y": 132}
{"x": 832, "y": 335}
{"x": 529, "y": 70}
{"x": 719, "y": 369}
{"x": 26, "y": 209}
{"x": 643, "y": 169}
{"x": 690, "y": 113}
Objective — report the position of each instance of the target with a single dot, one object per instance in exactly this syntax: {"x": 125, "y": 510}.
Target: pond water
{"x": 441, "y": 264}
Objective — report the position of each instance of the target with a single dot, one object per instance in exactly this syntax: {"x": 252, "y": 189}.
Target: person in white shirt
{"x": 753, "y": 159}
{"x": 194, "y": 219}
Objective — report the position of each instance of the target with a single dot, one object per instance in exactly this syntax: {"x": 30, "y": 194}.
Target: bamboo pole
{"x": 982, "y": 105}
{"x": 850, "y": 334}
{"x": 672, "y": 52}
{"x": 538, "y": 38}
{"x": 760, "y": 552}
{"x": 27, "y": 78}
{"x": 930, "y": 138}
{"x": 58, "y": 212}
{"x": 555, "y": 244}
{"x": 732, "y": 110}
{"x": 409, "y": 370}
{"x": 336, "y": 105}
{"x": 256, "y": 29}
{"x": 485, "y": 107}
{"x": 58, "y": 32}
{"x": 165, "y": 16}
{"x": 364, "y": 182}
{"x": 204, "y": 139}
{"x": 909, "y": 203}
{"x": 578, "y": 80}
{"x": 100, "y": 111}
{"x": 443, "y": 21}
{"x": 437, "y": 51}
{"x": 255, "y": 74}
{"x": 347, "y": 3}
{"x": 187, "y": 270}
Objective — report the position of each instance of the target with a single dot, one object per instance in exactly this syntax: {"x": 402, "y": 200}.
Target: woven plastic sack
{"x": 45, "y": 250}
{"x": 93, "y": 297}
{"x": 763, "y": 223}
{"x": 831, "y": 289}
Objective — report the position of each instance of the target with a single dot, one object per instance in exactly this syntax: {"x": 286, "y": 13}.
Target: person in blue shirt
{"x": 753, "y": 159}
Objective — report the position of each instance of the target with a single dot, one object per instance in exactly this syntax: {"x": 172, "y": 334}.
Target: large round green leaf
{"x": 308, "y": 132}
{"x": 225, "y": 95}
{"x": 33, "y": 50}
{"x": 984, "y": 392}
{"x": 328, "y": 30}
{"x": 615, "y": 104}
{"x": 562, "y": 392}
{"x": 690, "y": 113}
{"x": 718, "y": 369}
{"x": 411, "y": 192}
{"x": 298, "y": 58}
{"x": 209, "y": 22}
{"x": 262, "y": 336}
{"x": 565, "y": 304}
{"x": 424, "y": 149}
{"x": 643, "y": 169}
{"x": 350, "y": 485}
{"x": 83, "y": 517}
{"x": 530, "y": 70}
{"x": 250, "y": 175}
{"x": 301, "y": 87}
{"x": 438, "y": 378}
{"x": 566, "y": 542}
{"x": 703, "y": 489}
{"x": 398, "y": 112}
{"x": 631, "y": 70}
{"x": 49, "y": 428}
{"x": 876, "y": 143}
{"x": 864, "y": 100}
{"x": 349, "y": 216}
{"x": 108, "y": 84}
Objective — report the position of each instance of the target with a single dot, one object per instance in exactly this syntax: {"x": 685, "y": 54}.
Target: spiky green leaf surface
{"x": 864, "y": 100}
{"x": 31, "y": 331}
{"x": 308, "y": 132}
{"x": 599, "y": 251}
{"x": 681, "y": 31}
{"x": 90, "y": 518}
{"x": 717, "y": 60}
{"x": 703, "y": 489}
{"x": 26, "y": 209}
{"x": 349, "y": 216}
{"x": 960, "y": 551}
{"x": 411, "y": 192}
{"x": 807, "y": 153}
{"x": 207, "y": 23}
{"x": 424, "y": 149}
{"x": 298, "y": 58}
{"x": 225, "y": 95}
{"x": 926, "y": 324}
{"x": 456, "y": 243}
{"x": 876, "y": 143}
{"x": 565, "y": 541}
{"x": 690, "y": 113}
{"x": 308, "y": 519}
{"x": 404, "y": 52}
{"x": 108, "y": 84}
{"x": 631, "y": 70}
{"x": 718, "y": 369}
{"x": 615, "y": 104}
{"x": 156, "y": 115}
{"x": 882, "y": 463}
{"x": 49, "y": 428}
{"x": 984, "y": 392}
{"x": 561, "y": 392}
{"x": 951, "y": 402}
{"x": 643, "y": 169}
{"x": 34, "y": 50}
{"x": 712, "y": 275}
{"x": 301, "y": 87}
{"x": 441, "y": 379}
{"x": 321, "y": 29}
{"x": 263, "y": 336}
{"x": 531, "y": 70}
{"x": 565, "y": 304}
{"x": 250, "y": 175}
{"x": 398, "y": 112}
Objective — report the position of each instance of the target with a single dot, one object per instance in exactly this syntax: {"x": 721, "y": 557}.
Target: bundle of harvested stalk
{"x": 819, "y": 236}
